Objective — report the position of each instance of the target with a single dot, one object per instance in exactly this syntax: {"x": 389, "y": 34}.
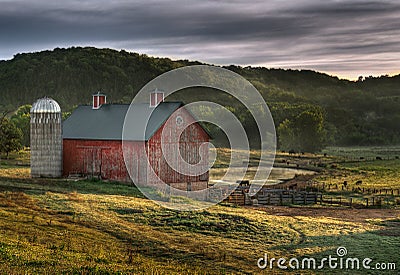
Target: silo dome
{"x": 46, "y": 138}
{"x": 45, "y": 105}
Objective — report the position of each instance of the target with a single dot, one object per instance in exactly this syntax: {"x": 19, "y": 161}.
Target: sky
{"x": 342, "y": 38}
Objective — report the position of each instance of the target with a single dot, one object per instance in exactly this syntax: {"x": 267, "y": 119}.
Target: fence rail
{"x": 266, "y": 196}
{"x": 374, "y": 201}
{"x": 271, "y": 197}
{"x": 323, "y": 187}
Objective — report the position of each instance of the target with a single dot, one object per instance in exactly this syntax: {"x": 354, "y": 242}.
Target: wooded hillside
{"x": 340, "y": 112}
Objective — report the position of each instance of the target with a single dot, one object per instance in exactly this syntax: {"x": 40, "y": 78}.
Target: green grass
{"x": 382, "y": 175}
{"x": 223, "y": 157}
{"x": 16, "y": 158}
{"x": 377, "y": 174}
{"x": 96, "y": 227}
{"x": 58, "y": 226}
{"x": 368, "y": 152}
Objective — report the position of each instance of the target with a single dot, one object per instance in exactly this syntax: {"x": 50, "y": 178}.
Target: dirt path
{"x": 345, "y": 214}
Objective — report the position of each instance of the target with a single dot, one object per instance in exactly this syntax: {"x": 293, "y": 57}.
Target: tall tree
{"x": 10, "y": 137}
{"x": 21, "y": 119}
{"x": 304, "y": 132}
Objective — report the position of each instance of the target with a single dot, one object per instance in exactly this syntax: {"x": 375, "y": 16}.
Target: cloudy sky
{"x": 343, "y": 38}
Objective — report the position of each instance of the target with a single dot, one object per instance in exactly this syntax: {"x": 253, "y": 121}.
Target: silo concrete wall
{"x": 46, "y": 145}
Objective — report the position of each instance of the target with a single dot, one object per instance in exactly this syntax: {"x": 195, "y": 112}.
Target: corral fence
{"x": 284, "y": 197}
{"x": 363, "y": 202}
{"x": 326, "y": 187}
{"x": 266, "y": 196}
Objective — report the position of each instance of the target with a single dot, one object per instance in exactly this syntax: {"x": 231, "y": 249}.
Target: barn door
{"x": 93, "y": 162}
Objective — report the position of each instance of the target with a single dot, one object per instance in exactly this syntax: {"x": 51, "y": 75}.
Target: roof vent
{"x": 156, "y": 97}
{"x": 98, "y": 100}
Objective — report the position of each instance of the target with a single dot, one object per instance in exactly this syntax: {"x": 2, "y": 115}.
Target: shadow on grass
{"x": 42, "y": 185}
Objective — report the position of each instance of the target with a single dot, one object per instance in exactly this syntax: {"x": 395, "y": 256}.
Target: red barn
{"x": 92, "y": 142}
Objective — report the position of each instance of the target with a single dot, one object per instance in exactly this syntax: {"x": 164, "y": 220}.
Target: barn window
{"x": 179, "y": 120}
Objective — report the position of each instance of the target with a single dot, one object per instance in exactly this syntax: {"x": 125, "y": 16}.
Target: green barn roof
{"x": 106, "y": 123}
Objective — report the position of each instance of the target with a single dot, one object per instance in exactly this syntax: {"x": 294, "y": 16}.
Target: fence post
{"x": 351, "y": 202}
{"x": 366, "y": 199}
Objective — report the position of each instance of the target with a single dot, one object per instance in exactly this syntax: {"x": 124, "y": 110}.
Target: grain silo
{"x": 46, "y": 139}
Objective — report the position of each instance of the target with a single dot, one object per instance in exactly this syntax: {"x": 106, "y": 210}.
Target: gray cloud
{"x": 342, "y": 37}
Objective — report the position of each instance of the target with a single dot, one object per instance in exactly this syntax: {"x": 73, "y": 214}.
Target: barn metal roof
{"x": 45, "y": 105}
{"x": 107, "y": 122}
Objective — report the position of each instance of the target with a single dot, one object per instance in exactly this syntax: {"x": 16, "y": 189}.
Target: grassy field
{"x": 94, "y": 227}
{"x": 355, "y": 153}
{"x": 370, "y": 173}
{"x": 373, "y": 174}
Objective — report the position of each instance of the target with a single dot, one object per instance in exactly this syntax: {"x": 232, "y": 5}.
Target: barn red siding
{"x": 189, "y": 144}
{"x": 105, "y": 158}
{"x": 95, "y": 157}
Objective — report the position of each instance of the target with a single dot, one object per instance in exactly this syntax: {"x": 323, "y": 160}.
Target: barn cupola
{"x": 98, "y": 100}
{"x": 156, "y": 97}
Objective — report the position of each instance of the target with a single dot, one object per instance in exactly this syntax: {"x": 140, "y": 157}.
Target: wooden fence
{"x": 323, "y": 187}
{"x": 363, "y": 202}
{"x": 271, "y": 197}
{"x": 239, "y": 197}
{"x": 267, "y": 196}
